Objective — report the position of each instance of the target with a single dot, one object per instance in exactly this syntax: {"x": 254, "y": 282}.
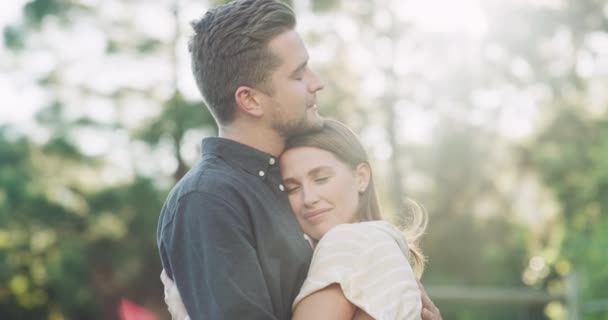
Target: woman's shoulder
{"x": 348, "y": 235}
{"x": 367, "y": 230}
{"x": 361, "y": 235}
{"x": 370, "y": 262}
{"x": 363, "y": 227}
{"x": 349, "y": 230}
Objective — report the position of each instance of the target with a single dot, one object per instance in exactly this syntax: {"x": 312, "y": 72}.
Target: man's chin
{"x": 303, "y": 127}
{"x": 312, "y": 124}
{"x": 316, "y": 123}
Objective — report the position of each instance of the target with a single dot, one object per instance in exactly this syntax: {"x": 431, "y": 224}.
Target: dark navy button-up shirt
{"x": 228, "y": 238}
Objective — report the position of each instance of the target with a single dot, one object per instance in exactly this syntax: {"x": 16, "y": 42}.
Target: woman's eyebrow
{"x": 313, "y": 172}
{"x": 318, "y": 170}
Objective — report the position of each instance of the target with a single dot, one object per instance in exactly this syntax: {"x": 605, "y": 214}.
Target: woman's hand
{"x": 173, "y": 300}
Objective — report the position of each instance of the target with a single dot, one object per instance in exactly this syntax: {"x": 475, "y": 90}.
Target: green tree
{"x": 78, "y": 230}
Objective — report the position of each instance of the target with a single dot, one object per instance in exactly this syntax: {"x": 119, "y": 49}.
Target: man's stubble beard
{"x": 294, "y": 128}
{"x": 297, "y": 126}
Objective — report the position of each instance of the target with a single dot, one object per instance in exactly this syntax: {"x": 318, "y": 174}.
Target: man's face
{"x": 292, "y": 105}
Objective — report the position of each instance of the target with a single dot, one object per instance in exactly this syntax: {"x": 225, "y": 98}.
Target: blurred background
{"x": 492, "y": 114}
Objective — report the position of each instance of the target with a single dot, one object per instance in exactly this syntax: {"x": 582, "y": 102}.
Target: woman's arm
{"x": 328, "y": 303}
{"x": 173, "y": 299}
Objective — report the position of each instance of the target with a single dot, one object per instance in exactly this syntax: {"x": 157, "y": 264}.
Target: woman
{"x": 362, "y": 267}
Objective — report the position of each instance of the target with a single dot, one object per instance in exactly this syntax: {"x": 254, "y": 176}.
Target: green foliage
{"x": 148, "y": 45}
{"x": 29, "y": 237}
{"x": 572, "y": 155}
{"x": 325, "y": 5}
{"x": 13, "y": 38}
{"x": 464, "y": 249}
{"x": 36, "y": 10}
{"x": 57, "y": 260}
{"x": 177, "y": 118}
{"x": 71, "y": 245}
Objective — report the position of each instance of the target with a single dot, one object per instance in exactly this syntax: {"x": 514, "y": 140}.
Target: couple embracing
{"x": 279, "y": 219}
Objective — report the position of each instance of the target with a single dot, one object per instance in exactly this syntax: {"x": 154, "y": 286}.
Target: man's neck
{"x": 255, "y": 136}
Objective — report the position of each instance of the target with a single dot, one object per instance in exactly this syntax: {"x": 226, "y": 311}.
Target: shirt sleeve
{"x": 213, "y": 261}
{"x": 371, "y": 269}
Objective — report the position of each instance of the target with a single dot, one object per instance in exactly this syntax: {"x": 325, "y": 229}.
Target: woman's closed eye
{"x": 291, "y": 188}
{"x": 322, "y": 179}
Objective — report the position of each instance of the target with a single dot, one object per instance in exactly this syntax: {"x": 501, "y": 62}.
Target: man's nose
{"x": 315, "y": 84}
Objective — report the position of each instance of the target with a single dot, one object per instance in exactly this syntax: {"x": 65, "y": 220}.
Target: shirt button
{"x": 261, "y": 173}
{"x": 271, "y": 161}
{"x": 281, "y": 187}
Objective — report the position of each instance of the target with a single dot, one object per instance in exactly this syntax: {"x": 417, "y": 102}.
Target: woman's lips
{"x": 314, "y": 215}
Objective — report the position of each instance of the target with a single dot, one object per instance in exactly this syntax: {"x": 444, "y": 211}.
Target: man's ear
{"x": 248, "y": 101}
{"x": 363, "y": 173}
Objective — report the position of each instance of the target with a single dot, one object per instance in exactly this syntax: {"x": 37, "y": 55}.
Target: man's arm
{"x": 429, "y": 310}
{"x": 213, "y": 261}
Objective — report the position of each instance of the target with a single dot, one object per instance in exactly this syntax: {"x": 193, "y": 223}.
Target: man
{"x": 226, "y": 234}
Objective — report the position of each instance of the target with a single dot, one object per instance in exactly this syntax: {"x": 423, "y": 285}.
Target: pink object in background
{"x": 132, "y": 311}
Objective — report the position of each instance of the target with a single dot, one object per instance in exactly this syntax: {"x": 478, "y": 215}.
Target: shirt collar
{"x": 252, "y": 160}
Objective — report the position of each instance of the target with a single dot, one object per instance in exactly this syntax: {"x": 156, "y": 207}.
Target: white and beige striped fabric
{"x": 370, "y": 262}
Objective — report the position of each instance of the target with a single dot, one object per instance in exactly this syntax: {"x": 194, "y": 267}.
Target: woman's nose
{"x": 310, "y": 196}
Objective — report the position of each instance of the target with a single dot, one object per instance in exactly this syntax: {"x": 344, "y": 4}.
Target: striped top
{"x": 370, "y": 262}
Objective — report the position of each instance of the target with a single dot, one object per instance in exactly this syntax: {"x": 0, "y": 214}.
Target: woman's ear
{"x": 248, "y": 101}
{"x": 363, "y": 174}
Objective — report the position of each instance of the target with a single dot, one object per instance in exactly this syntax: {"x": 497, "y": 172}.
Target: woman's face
{"x": 323, "y": 191}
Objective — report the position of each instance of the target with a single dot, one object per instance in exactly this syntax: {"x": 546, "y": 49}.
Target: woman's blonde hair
{"x": 343, "y": 143}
